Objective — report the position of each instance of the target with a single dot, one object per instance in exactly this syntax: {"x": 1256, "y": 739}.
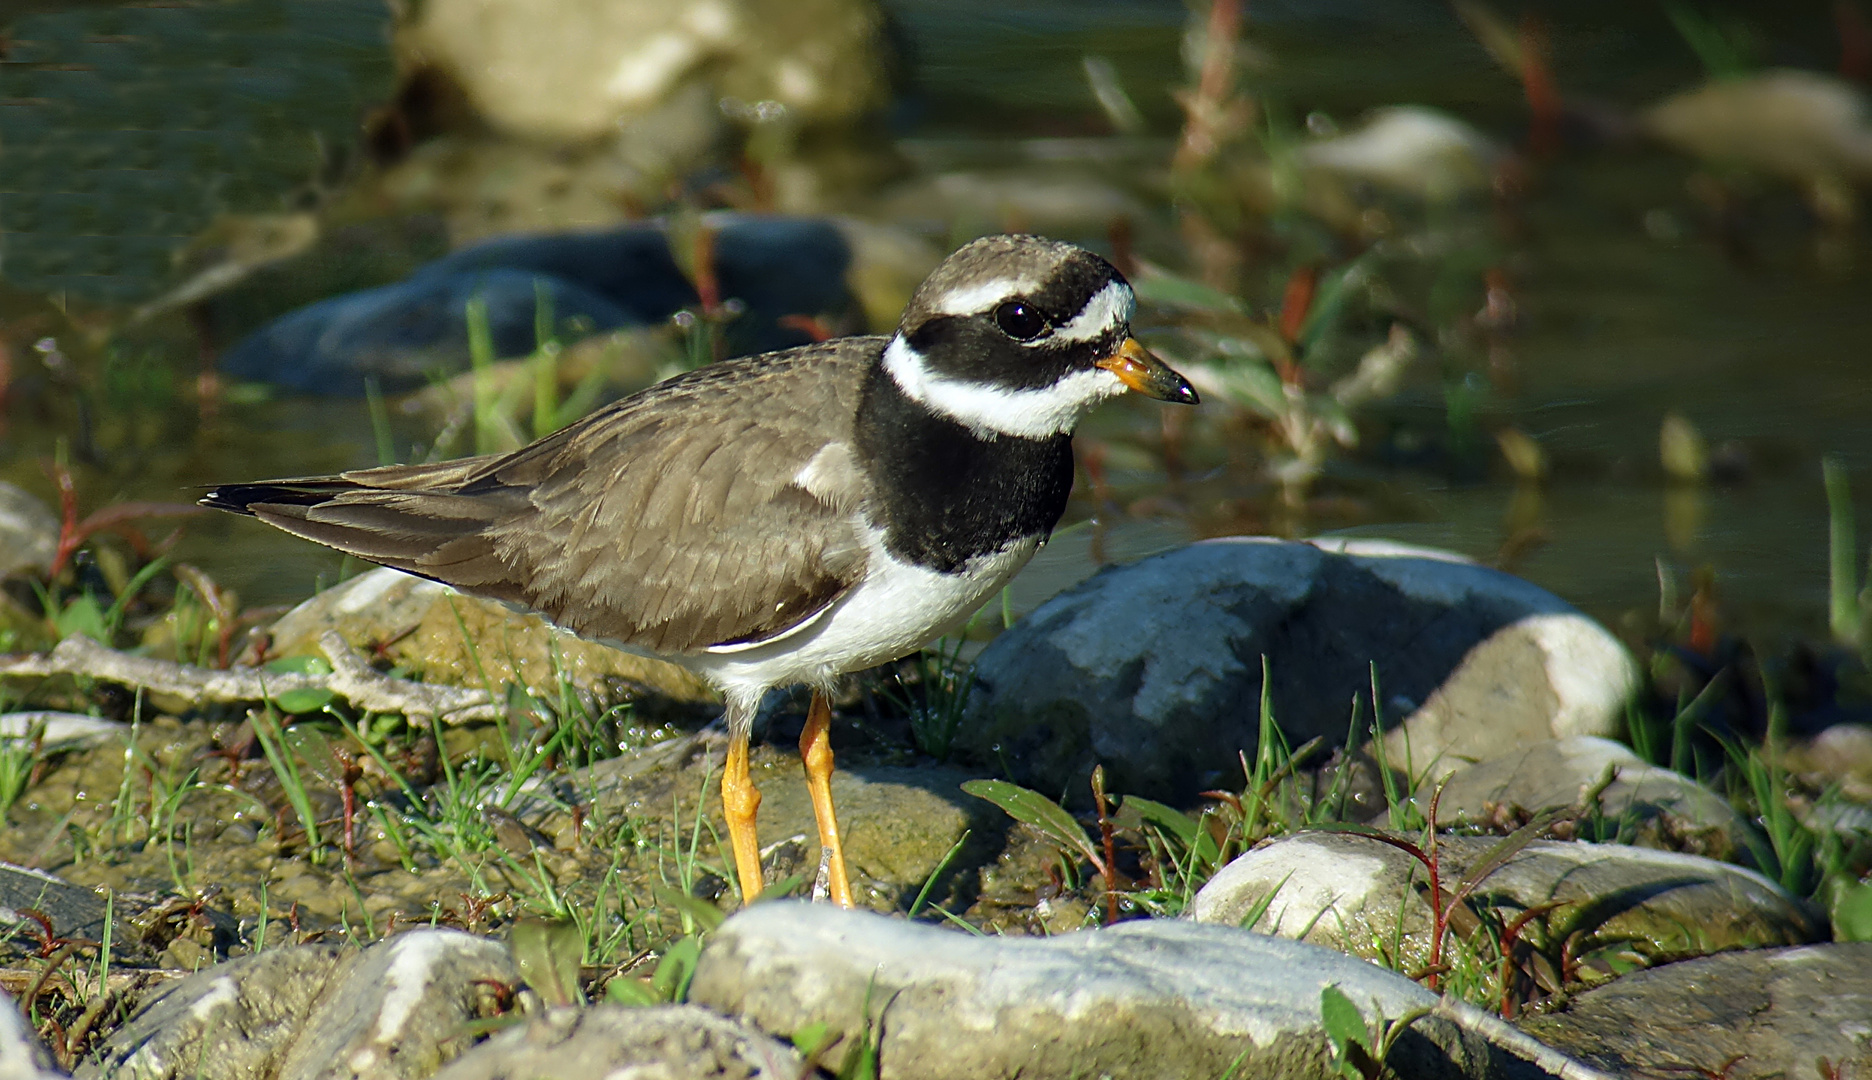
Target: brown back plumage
{"x": 669, "y": 521}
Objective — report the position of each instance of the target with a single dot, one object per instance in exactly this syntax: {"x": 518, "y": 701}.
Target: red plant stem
{"x": 707, "y": 285}
{"x": 1439, "y": 911}
{"x": 1110, "y": 869}
{"x": 1200, "y": 137}
{"x": 1297, "y": 301}
{"x": 1537, "y": 81}
{"x": 69, "y": 535}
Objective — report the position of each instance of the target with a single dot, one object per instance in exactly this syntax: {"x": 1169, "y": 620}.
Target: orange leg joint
{"x": 816, "y": 753}
{"x": 740, "y": 804}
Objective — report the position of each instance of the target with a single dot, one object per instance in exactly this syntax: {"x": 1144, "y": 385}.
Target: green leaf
{"x": 300, "y": 665}
{"x": 83, "y": 616}
{"x": 548, "y": 955}
{"x": 1175, "y": 822}
{"x": 1852, "y": 914}
{"x": 304, "y": 699}
{"x": 626, "y": 990}
{"x": 677, "y": 967}
{"x": 706, "y": 914}
{"x": 1343, "y": 1022}
{"x": 809, "y": 1040}
{"x": 1035, "y": 809}
{"x": 1165, "y": 289}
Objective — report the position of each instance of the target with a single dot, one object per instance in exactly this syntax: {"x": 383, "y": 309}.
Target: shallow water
{"x": 1628, "y": 309}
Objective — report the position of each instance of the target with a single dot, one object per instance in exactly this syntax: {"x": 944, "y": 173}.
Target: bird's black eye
{"x": 1018, "y": 320}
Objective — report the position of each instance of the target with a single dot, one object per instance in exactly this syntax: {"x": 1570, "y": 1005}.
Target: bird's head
{"x": 1022, "y": 336}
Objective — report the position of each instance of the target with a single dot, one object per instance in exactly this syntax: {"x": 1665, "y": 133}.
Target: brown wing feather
{"x": 669, "y": 520}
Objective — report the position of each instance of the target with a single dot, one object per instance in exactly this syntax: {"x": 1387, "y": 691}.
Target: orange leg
{"x": 815, "y": 747}
{"x": 740, "y": 802}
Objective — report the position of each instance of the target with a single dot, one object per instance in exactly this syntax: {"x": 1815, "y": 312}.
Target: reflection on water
{"x": 1627, "y": 308}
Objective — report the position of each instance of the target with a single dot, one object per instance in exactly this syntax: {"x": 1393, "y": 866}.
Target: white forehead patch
{"x": 989, "y": 410}
{"x": 1109, "y": 308}
{"x": 982, "y": 296}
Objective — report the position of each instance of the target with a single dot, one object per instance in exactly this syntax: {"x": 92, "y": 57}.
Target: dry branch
{"x": 351, "y": 679}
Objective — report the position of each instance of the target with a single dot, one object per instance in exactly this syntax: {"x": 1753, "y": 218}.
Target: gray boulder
{"x": 671, "y": 1042}
{"x": 1636, "y": 802}
{"x": 1802, "y": 1014}
{"x": 1154, "y": 669}
{"x": 1349, "y": 892}
{"x": 1143, "y": 999}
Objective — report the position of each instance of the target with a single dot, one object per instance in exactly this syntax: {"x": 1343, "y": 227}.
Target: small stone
{"x": 233, "y": 1021}
{"x": 1643, "y": 804}
{"x": 1154, "y": 669}
{"x": 422, "y": 625}
{"x": 62, "y": 730}
{"x": 75, "y": 911}
{"x": 1802, "y": 1014}
{"x": 400, "y": 1009}
{"x": 22, "y": 1056}
{"x": 29, "y": 532}
{"x": 1152, "y": 999}
{"x": 1348, "y": 892}
{"x": 670, "y": 1042}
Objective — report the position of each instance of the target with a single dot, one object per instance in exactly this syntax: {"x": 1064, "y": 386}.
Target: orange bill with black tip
{"x": 1138, "y": 369}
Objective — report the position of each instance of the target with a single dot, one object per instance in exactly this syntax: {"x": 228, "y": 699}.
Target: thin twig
{"x": 351, "y": 679}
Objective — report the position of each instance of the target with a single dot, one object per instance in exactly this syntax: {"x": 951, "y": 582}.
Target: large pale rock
{"x": 1154, "y": 669}
{"x": 1143, "y": 999}
{"x": 462, "y": 640}
{"x": 671, "y": 1042}
{"x": 1349, "y": 892}
{"x": 1639, "y": 803}
{"x": 574, "y": 70}
{"x": 1801, "y": 1014}
{"x": 1408, "y": 150}
{"x": 22, "y": 1056}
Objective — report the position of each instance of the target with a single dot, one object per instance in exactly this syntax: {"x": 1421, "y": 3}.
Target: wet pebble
{"x": 1639, "y": 803}
{"x": 1349, "y": 892}
{"x": 1802, "y": 1013}
{"x": 671, "y": 1042}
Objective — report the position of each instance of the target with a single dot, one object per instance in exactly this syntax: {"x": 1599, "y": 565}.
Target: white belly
{"x": 897, "y": 609}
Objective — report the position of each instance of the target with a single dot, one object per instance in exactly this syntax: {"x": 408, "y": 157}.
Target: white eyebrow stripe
{"x": 1109, "y": 308}
{"x": 990, "y": 410}
{"x": 975, "y": 299}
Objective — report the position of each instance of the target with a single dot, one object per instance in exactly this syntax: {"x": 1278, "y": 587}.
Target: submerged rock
{"x": 1802, "y": 1014}
{"x": 1349, "y": 892}
{"x": 603, "y": 1042}
{"x": 1408, "y": 150}
{"x": 1143, "y": 999}
{"x": 1639, "y": 803}
{"x": 1154, "y": 669}
{"x": 452, "y": 638}
{"x": 578, "y": 70}
{"x": 405, "y": 333}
